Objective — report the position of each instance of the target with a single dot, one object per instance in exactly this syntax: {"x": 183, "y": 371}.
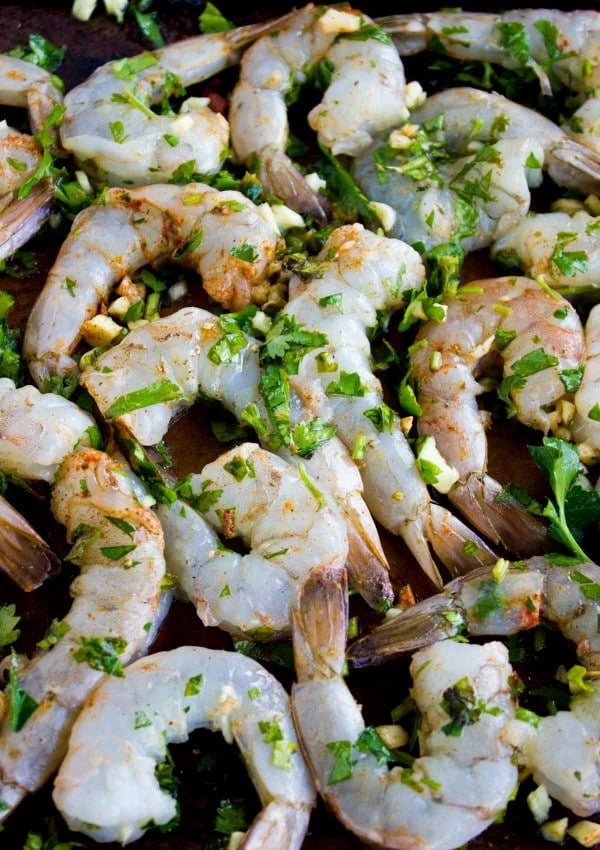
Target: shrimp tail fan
{"x": 24, "y": 556}
{"x": 502, "y": 520}
{"x": 458, "y": 547}
{"x": 280, "y": 177}
{"x": 23, "y": 218}
{"x": 278, "y": 826}
{"x": 418, "y": 626}
{"x": 319, "y": 624}
{"x": 367, "y": 565}
{"x": 574, "y": 166}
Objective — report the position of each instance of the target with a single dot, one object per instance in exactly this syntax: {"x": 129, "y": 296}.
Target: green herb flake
{"x": 58, "y": 629}
{"x": 246, "y": 252}
{"x": 158, "y": 392}
{"x": 460, "y": 705}
{"x": 230, "y": 817}
{"x": 369, "y": 741}
{"x": 141, "y": 720}
{"x": 349, "y": 384}
{"x": 211, "y": 20}
{"x": 568, "y": 263}
{"x": 194, "y": 685}
{"x": 572, "y": 378}
{"x": 9, "y": 619}
{"x": 117, "y": 129}
{"x": 311, "y": 486}
{"x": 101, "y": 653}
{"x": 307, "y": 437}
{"x": 382, "y": 417}
{"x": 240, "y": 468}
{"x": 21, "y": 704}
{"x": 115, "y": 553}
{"x": 343, "y": 765}
{"x": 513, "y": 37}
{"x": 336, "y": 301}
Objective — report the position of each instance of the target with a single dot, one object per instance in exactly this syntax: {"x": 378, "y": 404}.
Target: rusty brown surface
{"x": 192, "y": 444}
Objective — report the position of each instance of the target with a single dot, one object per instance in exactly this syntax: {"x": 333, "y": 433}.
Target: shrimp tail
{"x": 24, "y": 555}
{"x": 574, "y": 166}
{"x": 503, "y": 520}
{"x": 409, "y": 32}
{"x": 458, "y": 547}
{"x": 23, "y": 218}
{"x": 278, "y": 825}
{"x": 367, "y": 564}
{"x": 319, "y": 624}
{"x": 280, "y": 177}
{"x": 416, "y": 535}
{"x": 414, "y": 628}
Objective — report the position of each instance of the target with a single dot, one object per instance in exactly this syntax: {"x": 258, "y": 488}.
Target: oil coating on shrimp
{"x": 459, "y": 783}
{"x": 200, "y": 227}
{"x": 535, "y": 335}
{"x": 182, "y": 349}
{"x": 562, "y": 749}
{"x": 115, "y": 136}
{"x": 107, "y": 787}
{"x": 365, "y": 94}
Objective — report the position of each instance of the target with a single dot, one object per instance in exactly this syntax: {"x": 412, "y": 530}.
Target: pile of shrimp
{"x": 299, "y": 281}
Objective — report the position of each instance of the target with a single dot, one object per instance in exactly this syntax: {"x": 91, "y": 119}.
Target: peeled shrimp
{"x": 458, "y": 785}
{"x": 289, "y": 530}
{"x": 106, "y": 786}
{"x": 23, "y": 84}
{"x": 115, "y": 136}
{"x": 564, "y": 248}
{"x": 473, "y": 115}
{"x": 550, "y": 41}
{"x": 562, "y": 750}
{"x": 24, "y": 556}
{"x": 118, "y": 546}
{"x": 536, "y": 335}
{"x": 182, "y": 350}
{"x": 361, "y": 273}
{"x": 585, "y": 425}
{"x": 203, "y": 228}
{"x": 365, "y": 95}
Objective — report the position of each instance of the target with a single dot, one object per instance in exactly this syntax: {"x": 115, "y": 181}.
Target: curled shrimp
{"x": 23, "y": 84}
{"x": 289, "y": 528}
{"x": 584, "y": 427}
{"x": 562, "y": 750}
{"x": 106, "y": 786}
{"x": 200, "y": 227}
{"x": 115, "y": 136}
{"x": 365, "y": 95}
{"x": 458, "y": 785}
{"x": 473, "y": 115}
{"x": 361, "y": 273}
{"x": 182, "y": 349}
{"x": 535, "y": 335}
{"x": 118, "y": 546}
{"x": 564, "y": 248}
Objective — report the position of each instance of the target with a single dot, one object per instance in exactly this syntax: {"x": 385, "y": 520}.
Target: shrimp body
{"x": 438, "y": 207}
{"x": 183, "y": 349}
{"x": 585, "y": 426}
{"x": 115, "y": 136}
{"x": 363, "y": 273}
{"x": 106, "y": 786}
{"x": 456, "y": 787}
{"x": 365, "y": 94}
{"x": 545, "y": 243}
{"x": 535, "y": 335}
{"x": 134, "y": 227}
{"x": 254, "y": 495}
{"x": 38, "y": 431}
{"x": 23, "y": 84}
{"x": 474, "y": 115}
{"x": 118, "y": 546}
{"x": 562, "y": 750}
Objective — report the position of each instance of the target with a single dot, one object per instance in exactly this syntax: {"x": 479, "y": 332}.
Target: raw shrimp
{"x": 566, "y": 43}
{"x": 288, "y": 526}
{"x": 194, "y": 351}
{"x": 218, "y": 234}
{"x": 562, "y": 750}
{"x": 24, "y": 555}
{"x": 118, "y": 547}
{"x": 472, "y": 199}
{"x": 585, "y": 425}
{"x": 115, "y": 136}
{"x": 361, "y": 273}
{"x": 106, "y": 786}
{"x": 473, "y": 115}
{"x": 536, "y": 335}
{"x": 365, "y": 94}
{"x": 458, "y": 785}
{"x": 564, "y": 248}
{"x": 23, "y": 84}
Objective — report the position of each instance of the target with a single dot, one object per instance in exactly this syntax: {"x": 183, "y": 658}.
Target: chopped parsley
{"x": 101, "y": 653}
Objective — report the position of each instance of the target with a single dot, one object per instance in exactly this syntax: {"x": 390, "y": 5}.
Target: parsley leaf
{"x": 8, "y": 620}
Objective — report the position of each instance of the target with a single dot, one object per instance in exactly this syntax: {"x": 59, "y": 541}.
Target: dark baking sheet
{"x": 206, "y": 781}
